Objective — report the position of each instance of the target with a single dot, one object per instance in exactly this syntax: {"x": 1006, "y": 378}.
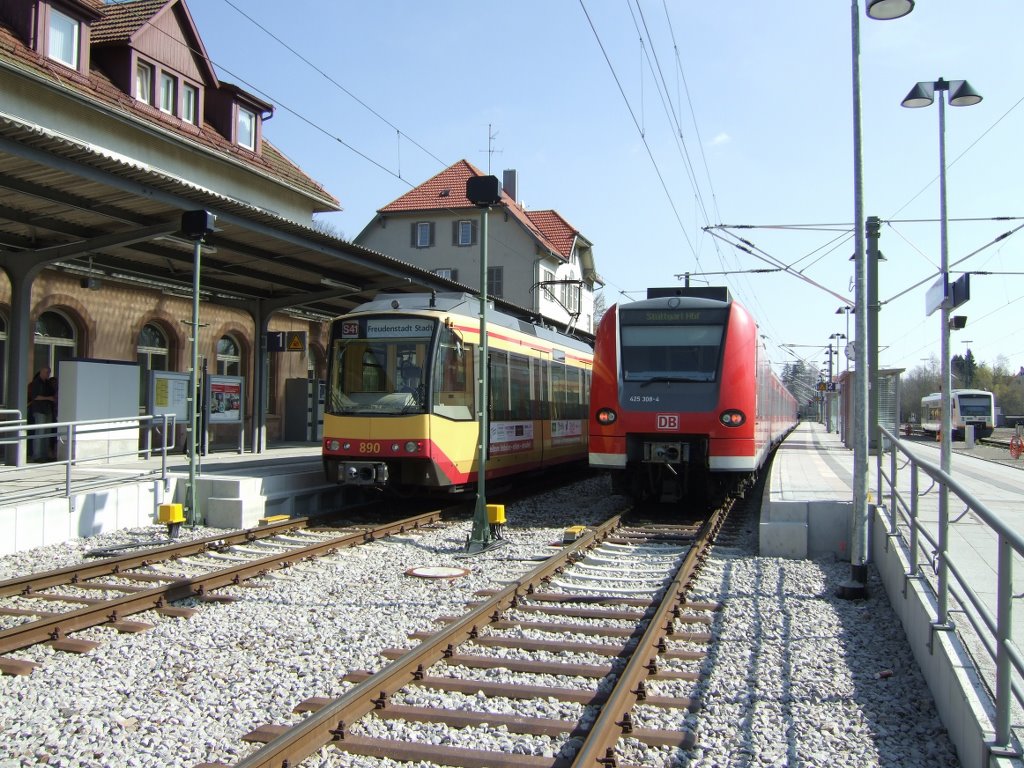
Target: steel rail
{"x": 614, "y": 720}
{"x": 114, "y": 566}
{"x": 329, "y": 724}
{"x": 55, "y": 627}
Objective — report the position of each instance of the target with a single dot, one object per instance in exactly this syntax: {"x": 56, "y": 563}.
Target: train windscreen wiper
{"x": 673, "y": 380}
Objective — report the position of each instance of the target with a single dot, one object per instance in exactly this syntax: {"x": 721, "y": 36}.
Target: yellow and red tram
{"x": 401, "y": 411}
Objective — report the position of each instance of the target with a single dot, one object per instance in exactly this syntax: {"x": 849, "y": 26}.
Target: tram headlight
{"x": 732, "y": 418}
{"x": 606, "y": 416}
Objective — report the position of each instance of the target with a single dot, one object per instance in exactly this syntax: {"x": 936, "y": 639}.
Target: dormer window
{"x": 245, "y": 129}
{"x": 168, "y": 93}
{"x": 190, "y": 104}
{"x": 63, "y": 39}
{"x": 144, "y": 81}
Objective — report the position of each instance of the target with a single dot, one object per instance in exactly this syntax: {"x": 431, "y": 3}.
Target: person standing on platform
{"x": 42, "y": 407}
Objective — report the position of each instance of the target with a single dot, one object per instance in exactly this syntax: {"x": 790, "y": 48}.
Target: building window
{"x": 246, "y": 129}
{"x": 63, "y": 39}
{"x": 167, "y": 93}
{"x": 144, "y": 82}
{"x": 465, "y": 232}
{"x": 495, "y": 282}
{"x": 229, "y": 358}
{"x": 422, "y": 234}
{"x": 547, "y": 276}
{"x": 448, "y": 273}
{"x": 190, "y": 104}
{"x": 153, "y": 354}
{"x": 55, "y": 340}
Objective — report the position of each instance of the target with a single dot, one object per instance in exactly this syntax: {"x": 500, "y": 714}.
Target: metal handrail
{"x": 993, "y": 629}
{"x": 37, "y": 480}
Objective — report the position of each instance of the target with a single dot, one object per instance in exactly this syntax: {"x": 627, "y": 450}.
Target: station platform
{"x": 808, "y": 499}
{"x": 806, "y": 512}
{"x": 49, "y": 503}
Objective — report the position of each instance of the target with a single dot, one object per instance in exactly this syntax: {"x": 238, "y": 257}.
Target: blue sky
{"x": 756, "y": 129}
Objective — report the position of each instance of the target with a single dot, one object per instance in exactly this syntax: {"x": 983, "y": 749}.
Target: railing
{"x": 87, "y": 455}
{"x": 992, "y": 625}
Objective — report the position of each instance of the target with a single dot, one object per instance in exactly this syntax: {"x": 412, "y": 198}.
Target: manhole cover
{"x": 437, "y": 572}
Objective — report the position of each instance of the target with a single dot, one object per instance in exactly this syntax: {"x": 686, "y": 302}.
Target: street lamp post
{"x": 846, "y": 309}
{"x": 959, "y": 94}
{"x": 483, "y": 192}
{"x": 837, "y": 337}
{"x": 856, "y": 587}
{"x": 197, "y": 226}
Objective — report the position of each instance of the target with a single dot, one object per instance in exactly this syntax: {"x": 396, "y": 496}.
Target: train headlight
{"x": 347, "y": 446}
{"x": 606, "y": 416}
{"x": 732, "y": 418}
{"x": 333, "y": 445}
{"x": 412, "y": 446}
{"x": 395, "y": 448}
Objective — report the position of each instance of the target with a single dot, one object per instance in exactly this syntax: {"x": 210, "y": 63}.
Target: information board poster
{"x": 168, "y": 392}
{"x": 224, "y": 397}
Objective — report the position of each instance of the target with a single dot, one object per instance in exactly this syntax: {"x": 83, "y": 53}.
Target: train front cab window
{"x": 679, "y": 352}
{"x": 379, "y": 375}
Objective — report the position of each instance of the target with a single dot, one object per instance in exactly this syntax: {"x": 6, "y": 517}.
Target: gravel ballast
{"x": 798, "y": 678}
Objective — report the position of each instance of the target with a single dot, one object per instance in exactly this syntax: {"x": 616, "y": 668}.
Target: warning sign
{"x": 296, "y": 341}
{"x": 286, "y": 341}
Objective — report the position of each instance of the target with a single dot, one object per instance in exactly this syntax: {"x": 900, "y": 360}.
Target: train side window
{"x": 498, "y": 386}
{"x": 542, "y": 407}
{"x": 520, "y": 395}
{"x": 453, "y": 389}
{"x": 559, "y": 389}
{"x": 573, "y": 393}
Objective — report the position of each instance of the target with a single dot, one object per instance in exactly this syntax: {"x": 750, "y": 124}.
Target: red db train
{"x": 684, "y": 403}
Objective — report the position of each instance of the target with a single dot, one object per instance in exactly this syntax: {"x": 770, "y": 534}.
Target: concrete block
{"x": 788, "y": 511}
{"x": 783, "y": 540}
{"x": 829, "y": 528}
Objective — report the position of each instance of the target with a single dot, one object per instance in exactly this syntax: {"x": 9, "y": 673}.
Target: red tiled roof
{"x": 122, "y": 20}
{"x": 556, "y": 229}
{"x": 447, "y": 191}
{"x": 98, "y": 88}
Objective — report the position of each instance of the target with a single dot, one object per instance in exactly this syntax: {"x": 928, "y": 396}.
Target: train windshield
{"x": 376, "y": 365}
{"x": 976, "y": 405}
{"x": 671, "y": 353}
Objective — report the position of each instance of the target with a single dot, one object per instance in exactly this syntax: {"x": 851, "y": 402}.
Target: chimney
{"x": 510, "y": 183}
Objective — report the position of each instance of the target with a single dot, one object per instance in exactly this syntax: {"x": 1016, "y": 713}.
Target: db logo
{"x": 667, "y": 421}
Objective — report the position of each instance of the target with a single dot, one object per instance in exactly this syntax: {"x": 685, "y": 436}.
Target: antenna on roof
{"x": 491, "y": 151}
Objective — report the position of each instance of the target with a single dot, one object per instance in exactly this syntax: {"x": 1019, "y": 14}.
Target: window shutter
{"x": 430, "y": 242}
{"x": 473, "y": 237}
{"x": 455, "y": 276}
{"x": 455, "y": 232}
{"x": 412, "y": 235}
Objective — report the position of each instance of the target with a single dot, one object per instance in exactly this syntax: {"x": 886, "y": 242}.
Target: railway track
{"x": 599, "y": 628}
{"x": 48, "y": 607}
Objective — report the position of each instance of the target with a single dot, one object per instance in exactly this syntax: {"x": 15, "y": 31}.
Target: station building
{"x": 113, "y": 124}
{"x": 113, "y": 127}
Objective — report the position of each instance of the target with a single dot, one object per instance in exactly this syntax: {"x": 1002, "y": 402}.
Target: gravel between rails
{"x": 799, "y": 679}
